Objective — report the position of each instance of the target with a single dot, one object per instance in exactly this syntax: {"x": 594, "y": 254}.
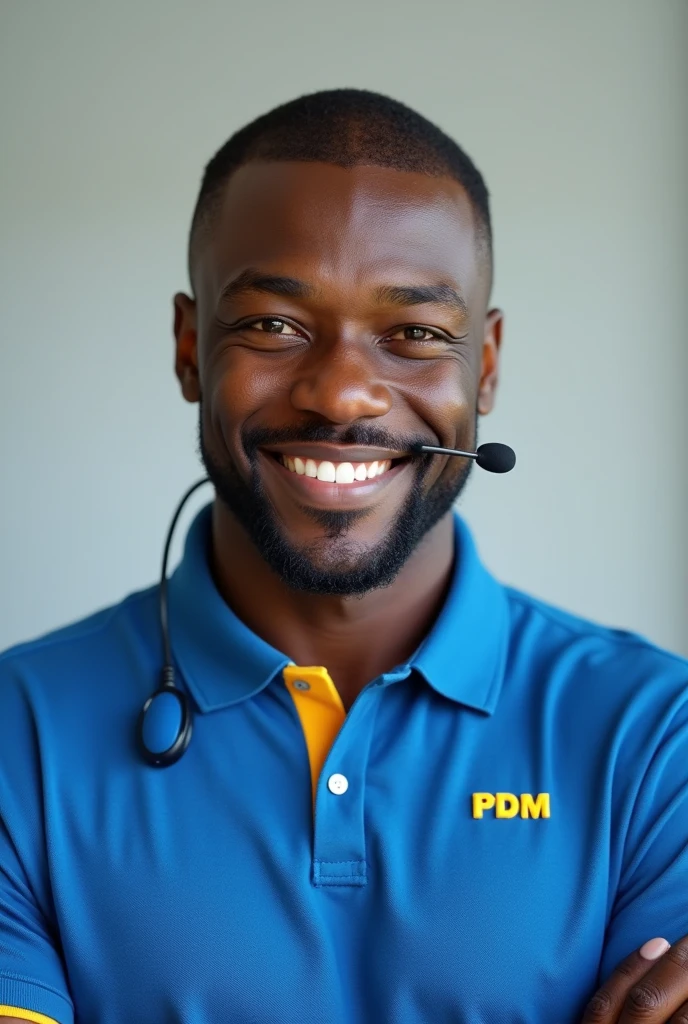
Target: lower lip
{"x": 331, "y": 495}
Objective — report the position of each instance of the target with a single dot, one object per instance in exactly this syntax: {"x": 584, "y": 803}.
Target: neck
{"x": 355, "y": 638}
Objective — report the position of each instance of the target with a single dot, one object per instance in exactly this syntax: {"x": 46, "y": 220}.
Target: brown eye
{"x": 414, "y": 333}
{"x": 271, "y": 325}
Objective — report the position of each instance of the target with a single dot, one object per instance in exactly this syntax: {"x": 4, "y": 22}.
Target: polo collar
{"x": 464, "y": 654}
{"x": 224, "y": 662}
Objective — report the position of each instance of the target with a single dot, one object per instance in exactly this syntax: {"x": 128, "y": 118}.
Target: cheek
{"x": 222, "y": 398}
{"x": 236, "y": 390}
{"x": 234, "y": 384}
{"x": 447, "y": 400}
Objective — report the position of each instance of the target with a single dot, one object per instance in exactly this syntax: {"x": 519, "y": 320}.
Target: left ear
{"x": 186, "y": 352}
{"x": 489, "y": 369}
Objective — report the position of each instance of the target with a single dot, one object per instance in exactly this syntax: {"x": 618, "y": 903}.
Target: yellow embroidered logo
{"x": 508, "y": 805}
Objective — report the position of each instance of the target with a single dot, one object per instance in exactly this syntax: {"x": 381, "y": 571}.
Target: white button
{"x": 301, "y": 684}
{"x": 338, "y": 784}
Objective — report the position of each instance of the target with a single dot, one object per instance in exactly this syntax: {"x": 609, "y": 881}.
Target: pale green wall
{"x": 575, "y": 113}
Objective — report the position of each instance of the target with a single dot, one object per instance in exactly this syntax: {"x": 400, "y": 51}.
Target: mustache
{"x": 361, "y": 437}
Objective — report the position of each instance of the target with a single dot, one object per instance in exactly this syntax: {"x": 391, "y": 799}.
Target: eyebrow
{"x": 417, "y": 295}
{"x": 253, "y": 280}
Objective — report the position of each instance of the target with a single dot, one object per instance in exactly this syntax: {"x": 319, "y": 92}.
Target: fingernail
{"x": 654, "y": 948}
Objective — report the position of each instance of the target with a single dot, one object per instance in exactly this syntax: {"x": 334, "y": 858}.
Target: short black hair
{"x": 346, "y": 127}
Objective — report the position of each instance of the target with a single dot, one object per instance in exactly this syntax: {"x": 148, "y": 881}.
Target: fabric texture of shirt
{"x": 485, "y": 834}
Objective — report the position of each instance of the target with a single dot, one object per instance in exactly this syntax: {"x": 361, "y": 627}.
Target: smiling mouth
{"x": 340, "y": 473}
{"x": 331, "y": 493}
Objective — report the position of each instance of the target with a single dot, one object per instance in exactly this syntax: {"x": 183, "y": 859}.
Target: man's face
{"x": 332, "y": 348}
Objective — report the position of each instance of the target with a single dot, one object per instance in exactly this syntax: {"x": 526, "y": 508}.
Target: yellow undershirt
{"x": 320, "y": 709}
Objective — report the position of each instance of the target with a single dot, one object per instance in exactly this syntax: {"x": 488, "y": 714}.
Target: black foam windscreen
{"x": 495, "y": 457}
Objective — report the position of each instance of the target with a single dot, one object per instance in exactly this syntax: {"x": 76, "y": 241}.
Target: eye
{"x": 415, "y": 333}
{"x": 272, "y": 325}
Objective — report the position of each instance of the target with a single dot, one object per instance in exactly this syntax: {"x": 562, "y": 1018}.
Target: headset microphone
{"x": 494, "y": 457}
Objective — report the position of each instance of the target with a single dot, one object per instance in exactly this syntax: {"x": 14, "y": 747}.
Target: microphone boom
{"x": 494, "y": 457}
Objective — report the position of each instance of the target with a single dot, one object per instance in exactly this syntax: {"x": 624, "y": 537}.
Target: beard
{"x": 330, "y": 565}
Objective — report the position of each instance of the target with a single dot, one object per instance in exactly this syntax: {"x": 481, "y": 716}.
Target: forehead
{"x": 343, "y": 226}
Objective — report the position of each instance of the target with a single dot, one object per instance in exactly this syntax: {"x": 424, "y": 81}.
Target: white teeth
{"x": 339, "y": 472}
{"x": 344, "y": 473}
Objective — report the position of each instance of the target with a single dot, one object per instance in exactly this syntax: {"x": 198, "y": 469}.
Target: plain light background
{"x": 576, "y": 114}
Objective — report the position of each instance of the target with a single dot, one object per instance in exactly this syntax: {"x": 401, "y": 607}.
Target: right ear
{"x": 186, "y": 357}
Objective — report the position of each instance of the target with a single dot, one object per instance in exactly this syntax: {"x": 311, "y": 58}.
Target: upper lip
{"x": 333, "y": 453}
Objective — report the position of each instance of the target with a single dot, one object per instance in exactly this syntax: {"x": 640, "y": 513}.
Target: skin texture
{"x": 370, "y": 580}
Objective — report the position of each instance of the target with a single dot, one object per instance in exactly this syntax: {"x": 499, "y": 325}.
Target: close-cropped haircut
{"x": 345, "y": 127}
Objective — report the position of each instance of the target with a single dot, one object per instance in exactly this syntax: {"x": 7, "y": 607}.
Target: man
{"x": 411, "y": 794}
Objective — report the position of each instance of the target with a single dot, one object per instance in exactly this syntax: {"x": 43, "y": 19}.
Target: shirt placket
{"x": 339, "y": 746}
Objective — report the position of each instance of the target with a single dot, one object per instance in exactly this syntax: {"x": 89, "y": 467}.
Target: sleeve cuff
{"x": 31, "y": 1001}
{"x": 18, "y": 1011}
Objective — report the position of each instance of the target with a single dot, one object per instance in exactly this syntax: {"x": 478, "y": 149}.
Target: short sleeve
{"x": 652, "y": 894}
{"x": 33, "y": 980}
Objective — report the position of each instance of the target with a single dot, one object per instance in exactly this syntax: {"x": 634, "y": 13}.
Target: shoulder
{"x": 556, "y": 630}
{"x": 63, "y": 697}
{"x": 73, "y": 649}
{"x": 608, "y": 670}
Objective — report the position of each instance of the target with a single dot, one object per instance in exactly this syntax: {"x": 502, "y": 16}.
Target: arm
{"x": 650, "y": 886}
{"x": 33, "y": 981}
{"x": 651, "y": 896}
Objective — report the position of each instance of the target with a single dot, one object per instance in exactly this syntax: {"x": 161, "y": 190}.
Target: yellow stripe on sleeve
{"x": 17, "y": 1011}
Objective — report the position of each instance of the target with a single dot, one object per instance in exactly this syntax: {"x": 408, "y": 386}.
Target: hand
{"x": 650, "y": 985}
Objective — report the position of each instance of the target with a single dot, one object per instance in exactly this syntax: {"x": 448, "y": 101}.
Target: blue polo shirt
{"x": 483, "y": 836}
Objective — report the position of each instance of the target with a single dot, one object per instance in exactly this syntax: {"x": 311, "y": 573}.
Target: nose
{"x": 341, "y": 383}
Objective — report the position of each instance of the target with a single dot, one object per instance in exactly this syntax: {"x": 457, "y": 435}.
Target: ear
{"x": 489, "y": 370}
{"x": 186, "y": 355}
